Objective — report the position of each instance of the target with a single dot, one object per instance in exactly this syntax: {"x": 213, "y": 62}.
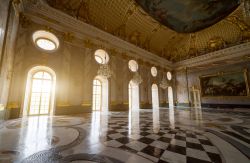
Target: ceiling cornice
{"x": 220, "y": 55}
{"x": 39, "y": 10}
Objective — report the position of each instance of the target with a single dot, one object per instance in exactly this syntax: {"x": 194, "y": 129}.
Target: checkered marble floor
{"x": 164, "y": 145}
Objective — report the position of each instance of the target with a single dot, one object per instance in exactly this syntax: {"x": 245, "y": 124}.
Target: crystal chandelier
{"x": 105, "y": 71}
{"x": 137, "y": 79}
{"x": 164, "y": 83}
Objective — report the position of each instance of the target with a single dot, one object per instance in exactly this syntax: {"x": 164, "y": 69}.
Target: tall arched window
{"x": 97, "y": 95}
{"x": 155, "y": 96}
{"x": 170, "y": 92}
{"x": 170, "y": 97}
{"x": 130, "y": 95}
{"x": 40, "y": 91}
{"x": 133, "y": 96}
{"x": 100, "y": 100}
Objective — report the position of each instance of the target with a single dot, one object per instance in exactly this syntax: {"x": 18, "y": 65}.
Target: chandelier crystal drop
{"x": 164, "y": 83}
{"x": 105, "y": 71}
{"x": 137, "y": 79}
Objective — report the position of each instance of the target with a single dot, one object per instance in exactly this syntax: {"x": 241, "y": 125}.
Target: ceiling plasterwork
{"x": 128, "y": 21}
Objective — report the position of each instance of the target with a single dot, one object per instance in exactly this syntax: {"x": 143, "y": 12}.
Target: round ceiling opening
{"x": 101, "y": 56}
{"x": 169, "y": 75}
{"x": 154, "y": 71}
{"x": 45, "y": 40}
{"x": 133, "y": 66}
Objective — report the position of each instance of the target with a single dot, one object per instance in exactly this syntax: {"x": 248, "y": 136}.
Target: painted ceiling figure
{"x": 189, "y": 15}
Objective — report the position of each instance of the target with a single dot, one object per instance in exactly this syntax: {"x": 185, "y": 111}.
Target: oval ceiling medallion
{"x": 186, "y": 16}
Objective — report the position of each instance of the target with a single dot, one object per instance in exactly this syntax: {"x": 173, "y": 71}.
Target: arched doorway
{"x": 100, "y": 94}
{"x": 155, "y": 96}
{"x": 133, "y": 96}
{"x": 40, "y": 91}
{"x": 170, "y": 97}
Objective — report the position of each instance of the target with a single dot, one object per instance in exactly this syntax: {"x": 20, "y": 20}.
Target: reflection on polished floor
{"x": 158, "y": 135}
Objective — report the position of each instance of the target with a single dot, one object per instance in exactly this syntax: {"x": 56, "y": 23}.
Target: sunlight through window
{"x": 133, "y": 93}
{"x": 45, "y": 40}
{"x": 46, "y": 44}
{"x": 155, "y": 96}
{"x": 40, "y": 93}
{"x": 97, "y": 95}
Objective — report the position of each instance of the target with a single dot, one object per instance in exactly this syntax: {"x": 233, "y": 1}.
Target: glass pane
{"x": 46, "y": 76}
{"x": 97, "y": 90}
{"x": 40, "y": 93}
{"x": 36, "y": 85}
{"x": 38, "y": 75}
{"x": 46, "y": 44}
{"x": 46, "y": 87}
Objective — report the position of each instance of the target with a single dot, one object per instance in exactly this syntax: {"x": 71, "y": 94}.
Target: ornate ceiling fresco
{"x": 127, "y": 20}
{"x": 189, "y": 15}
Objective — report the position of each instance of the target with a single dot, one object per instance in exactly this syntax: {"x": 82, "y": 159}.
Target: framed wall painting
{"x": 225, "y": 84}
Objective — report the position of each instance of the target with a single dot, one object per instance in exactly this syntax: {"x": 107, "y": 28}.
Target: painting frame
{"x": 246, "y": 81}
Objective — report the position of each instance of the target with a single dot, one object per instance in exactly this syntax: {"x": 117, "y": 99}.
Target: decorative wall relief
{"x": 225, "y": 84}
{"x": 3, "y": 26}
{"x": 216, "y": 43}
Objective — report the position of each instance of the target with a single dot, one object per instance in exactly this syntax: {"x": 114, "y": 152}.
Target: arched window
{"x": 170, "y": 97}
{"x": 130, "y": 96}
{"x": 170, "y": 91}
{"x": 100, "y": 94}
{"x": 97, "y": 95}
{"x": 40, "y": 91}
{"x": 155, "y": 96}
{"x": 133, "y": 96}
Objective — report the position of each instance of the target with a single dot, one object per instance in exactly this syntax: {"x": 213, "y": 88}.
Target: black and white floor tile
{"x": 166, "y": 145}
{"x": 177, "y": 136}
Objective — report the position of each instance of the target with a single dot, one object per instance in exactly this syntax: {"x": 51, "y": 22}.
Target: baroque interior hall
{"x": 125, "y": 81}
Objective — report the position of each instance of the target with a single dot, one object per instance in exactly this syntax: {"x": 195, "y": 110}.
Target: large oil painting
{"x": 225, "y": 84}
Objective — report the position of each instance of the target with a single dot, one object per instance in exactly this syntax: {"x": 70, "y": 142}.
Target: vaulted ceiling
{"x": 169, "y": 39}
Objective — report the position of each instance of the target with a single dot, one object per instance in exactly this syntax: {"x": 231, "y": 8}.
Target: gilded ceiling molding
{"x": 146, "y": 44}
{"x": 17, "y": 5}
{"x": 84, "y": 9}
{"x": 41, "y": 13}
{"x": 216, "y": 43}
{"x": 230, "y": 53}
{"x": 68, "y": 36}
{"x": 135, "y": 38}
{"x": 121, "y": 30}
{"x": 192, "y": 52}
{"x": 24, "y": 21}
{"x": 132, "y": 22}
{"x": 41, "y": 10}
{"x": 244, "y": 27}
{"x": 89, "y": 44}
